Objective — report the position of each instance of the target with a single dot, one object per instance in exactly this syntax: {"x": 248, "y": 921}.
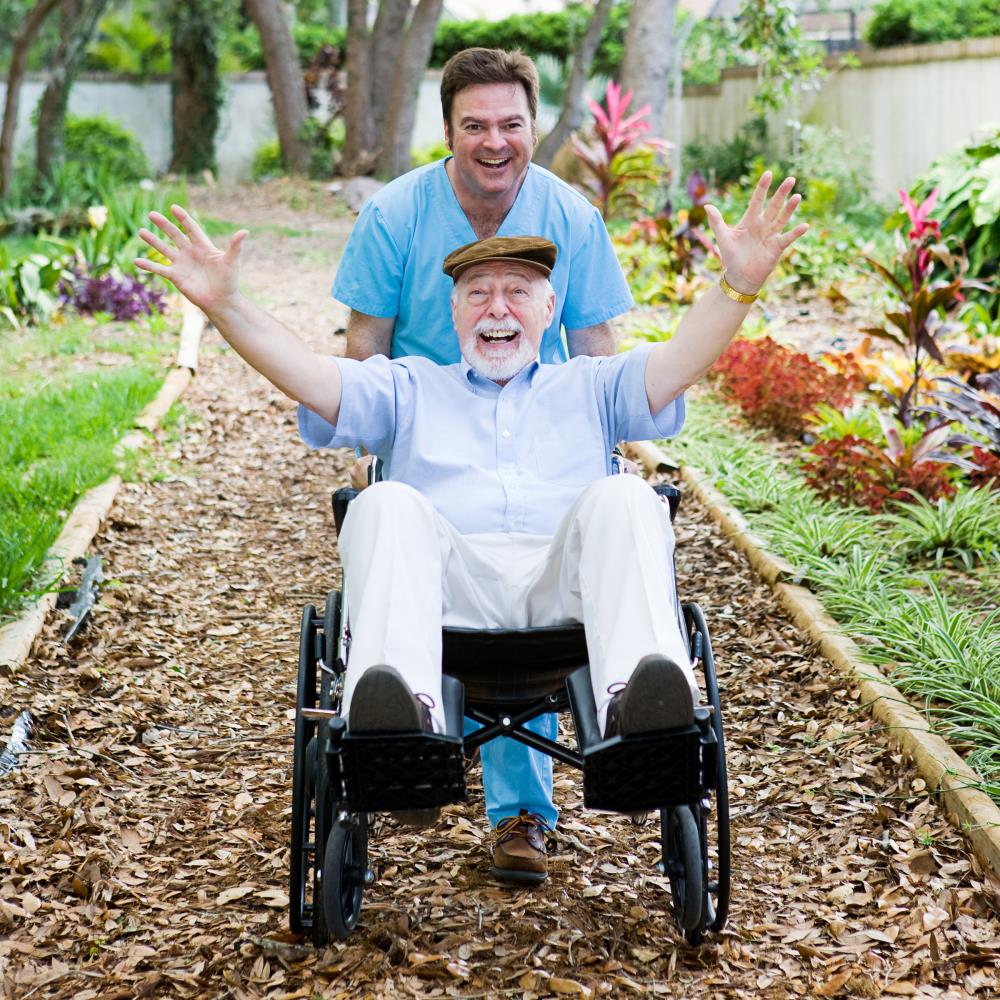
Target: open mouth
{"x": 499, "y": 336}
{"x": 494, "y": 164}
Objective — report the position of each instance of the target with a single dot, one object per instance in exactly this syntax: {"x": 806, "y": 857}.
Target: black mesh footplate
{"x": 385, "y": 772}
{"x": 640, "y": 773}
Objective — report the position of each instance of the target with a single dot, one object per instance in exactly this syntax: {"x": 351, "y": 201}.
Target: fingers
{"x": 785, "y": 240}
{"x": 235, "y": 245}
{"x": 156, "y": 243}
{"x": 789, "y": 210}
{"x": 150, "y": 265}
{"x": 715, "y": 219}
{"x": 169, "y": 228}
{"x": 777, "y": 202}
{"x": 193, "y": 230}
{"x": 756, "y": 206}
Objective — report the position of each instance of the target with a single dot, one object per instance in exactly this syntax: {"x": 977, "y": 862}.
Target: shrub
{"x": 123, "y": 298}
{"x": 856, "y": 471}
{"x": 96, "y": 139}
{"x": 776, "y": 387}
{"x": 267, "y": 161}
{"x": 969, "y": 202}
{"x": 912, "y": 22}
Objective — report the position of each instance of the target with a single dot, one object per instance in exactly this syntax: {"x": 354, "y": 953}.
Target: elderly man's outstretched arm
{"x": 209, "y": 277}
{"x": 750, "y": 250}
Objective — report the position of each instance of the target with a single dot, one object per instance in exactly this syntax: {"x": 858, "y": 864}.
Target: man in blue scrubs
{"x": 390, "y": 276}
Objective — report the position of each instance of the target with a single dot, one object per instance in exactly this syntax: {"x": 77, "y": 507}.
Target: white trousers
{"x": 407, "y": 572}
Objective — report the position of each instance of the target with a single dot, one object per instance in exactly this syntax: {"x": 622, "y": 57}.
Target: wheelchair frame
{"x": 336, "y": 784}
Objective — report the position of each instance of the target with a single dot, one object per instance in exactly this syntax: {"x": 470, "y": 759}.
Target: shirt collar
{"x": 479, "y": 383}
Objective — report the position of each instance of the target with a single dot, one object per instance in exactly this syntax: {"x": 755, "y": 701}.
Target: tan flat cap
{"x": 531, "y": 250}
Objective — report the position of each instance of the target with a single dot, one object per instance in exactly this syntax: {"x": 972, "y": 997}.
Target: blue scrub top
{"x": 392, "y": 262}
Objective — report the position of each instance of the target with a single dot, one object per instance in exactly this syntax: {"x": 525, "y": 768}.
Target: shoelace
{"x": 522, "y": 824}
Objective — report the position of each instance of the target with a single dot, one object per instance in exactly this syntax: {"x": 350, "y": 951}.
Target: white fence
{"x": 908, "y": 105}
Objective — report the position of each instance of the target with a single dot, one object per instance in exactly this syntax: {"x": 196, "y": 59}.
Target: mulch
{"x": 145, "y": 839}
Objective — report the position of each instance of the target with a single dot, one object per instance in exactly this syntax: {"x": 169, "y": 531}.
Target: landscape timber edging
{"x": 946, "y": 774}
{"x": 84, "y": 521}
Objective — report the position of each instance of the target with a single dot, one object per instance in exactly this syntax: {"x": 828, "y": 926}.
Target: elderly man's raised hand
{"x": 751, "y": 249}
{"x": 201, "y": 271}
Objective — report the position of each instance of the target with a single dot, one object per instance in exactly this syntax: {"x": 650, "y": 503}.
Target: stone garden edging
{"x": 946, "y": 774}
{"x": 84, "y": 521}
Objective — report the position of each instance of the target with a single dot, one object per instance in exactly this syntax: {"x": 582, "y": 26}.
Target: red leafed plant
{"x": 915, "y": 321}
{"x": 778, "y": 388}
{"x": 618, "y": 164}
{"x": 864, "y": 473}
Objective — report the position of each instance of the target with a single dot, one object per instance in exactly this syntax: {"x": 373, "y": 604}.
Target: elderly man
{"x": 390, "y": 275}
{"x": 498, "y": 511}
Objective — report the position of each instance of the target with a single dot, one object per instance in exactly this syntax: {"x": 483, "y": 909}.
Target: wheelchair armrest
{"x": 671, "y": 494}
{"x": 340, "y": 500}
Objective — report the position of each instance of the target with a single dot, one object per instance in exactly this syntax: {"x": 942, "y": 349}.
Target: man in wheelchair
{"x": 498, "y": 510}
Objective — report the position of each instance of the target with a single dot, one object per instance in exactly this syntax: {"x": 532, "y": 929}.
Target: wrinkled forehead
{"x": 500, "y": 270}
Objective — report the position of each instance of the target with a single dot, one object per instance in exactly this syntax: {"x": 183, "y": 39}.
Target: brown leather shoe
{"x": 656, "y": 697}
{"x": 519, "y": 851}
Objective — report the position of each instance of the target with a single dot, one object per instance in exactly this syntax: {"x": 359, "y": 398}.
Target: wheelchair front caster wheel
{"x": 345, "y": 864}
{"x": 682, "y": 860}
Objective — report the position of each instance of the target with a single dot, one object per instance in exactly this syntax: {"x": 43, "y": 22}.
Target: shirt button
{"x": 505, "y": 434}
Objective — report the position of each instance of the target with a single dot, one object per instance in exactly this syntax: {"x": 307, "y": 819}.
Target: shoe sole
{"x": 383, "y": 702}
{"x": 657, "y": 696}
{"x": 515, "y": 877}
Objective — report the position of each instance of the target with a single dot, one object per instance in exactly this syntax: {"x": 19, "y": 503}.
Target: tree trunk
{"x": 195, "y": 88}
{"x": 388, "y": 39}
{"x": 572, "y": 114}
{"x": 78, "y": 21}
{"x": 284, "y": 77}
{"x": 15, "y": 77}
{"x": 359, "y": 137}
{"x": 648, "y": 56}
{"x": 397, "y": 134}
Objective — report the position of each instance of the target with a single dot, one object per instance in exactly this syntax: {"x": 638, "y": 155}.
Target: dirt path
{"x": 145, "y": 844}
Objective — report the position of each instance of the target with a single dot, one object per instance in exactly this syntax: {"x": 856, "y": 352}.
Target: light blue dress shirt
{"x": 391, "y": 265}
{"x": 492, "y": 459}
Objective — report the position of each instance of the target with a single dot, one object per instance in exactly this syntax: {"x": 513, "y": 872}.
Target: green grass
{"x": 223, "y": 227}
{"x": 917, "y": 588}
{"x": 69, "y": 393}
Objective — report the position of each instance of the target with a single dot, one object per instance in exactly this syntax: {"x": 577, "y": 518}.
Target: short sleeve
{"x": 620, "y": 382}
{"x": 370, "y": 274}
{"x": 368, "y": 409}
{"x": 596, "y": 290}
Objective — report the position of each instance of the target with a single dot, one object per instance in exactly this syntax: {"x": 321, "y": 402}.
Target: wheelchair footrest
{"x": 651, "y": 770}
{"x": 384, "y": 772}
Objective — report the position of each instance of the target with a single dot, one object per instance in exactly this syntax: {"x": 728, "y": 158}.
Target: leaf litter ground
{"x": 145, "y": 839}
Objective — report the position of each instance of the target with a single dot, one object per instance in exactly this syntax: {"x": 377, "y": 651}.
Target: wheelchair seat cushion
{"x": 509, "y": 667}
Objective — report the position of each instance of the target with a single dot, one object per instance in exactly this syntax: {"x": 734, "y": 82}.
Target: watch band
{"x": 728, "y": 290}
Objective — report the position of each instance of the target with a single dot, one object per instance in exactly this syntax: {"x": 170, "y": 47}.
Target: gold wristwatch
{"x": 728, "y": 290}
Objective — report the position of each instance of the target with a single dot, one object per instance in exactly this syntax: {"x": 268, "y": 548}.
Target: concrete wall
{"x": 908, "y": 104}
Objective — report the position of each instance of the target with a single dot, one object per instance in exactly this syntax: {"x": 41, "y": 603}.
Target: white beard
{"x": 498, "y": 366}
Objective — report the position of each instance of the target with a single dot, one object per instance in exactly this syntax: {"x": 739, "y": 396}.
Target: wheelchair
{"x": 501, "y": 679}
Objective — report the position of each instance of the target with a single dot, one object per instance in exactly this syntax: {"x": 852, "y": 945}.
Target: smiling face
{"x": 492, "y": 138}
{"x": 500, "y": 310}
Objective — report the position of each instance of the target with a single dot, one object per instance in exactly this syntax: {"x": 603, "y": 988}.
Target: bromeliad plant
{"x": 927, "y": 280}
{"x": 621, "y": 160}
{"x": 976, "y": 409}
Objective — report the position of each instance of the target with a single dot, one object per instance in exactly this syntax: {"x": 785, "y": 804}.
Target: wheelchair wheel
{"x": 303, "y": 780}
{"x": 345, "y": 864}
{"x": 717, "y": 901}
{"x": 682, "y": 859}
